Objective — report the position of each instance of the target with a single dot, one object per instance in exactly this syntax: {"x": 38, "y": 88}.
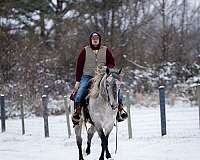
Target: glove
{"x": 76, "y": 86}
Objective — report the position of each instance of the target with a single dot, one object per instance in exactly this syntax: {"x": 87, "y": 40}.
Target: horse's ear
{"x": 107, "y": 71}
{"x": 120, "y": 70}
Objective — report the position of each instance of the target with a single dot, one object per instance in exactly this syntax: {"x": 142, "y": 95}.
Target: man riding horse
{"x": 89, "y": 58}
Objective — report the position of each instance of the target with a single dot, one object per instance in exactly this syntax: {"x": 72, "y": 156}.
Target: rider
{"x": 89, "y": 58}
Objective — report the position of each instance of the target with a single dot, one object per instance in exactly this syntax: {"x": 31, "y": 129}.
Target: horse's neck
{"x": 97, "y": 87}
{"x": 102, "y": 89}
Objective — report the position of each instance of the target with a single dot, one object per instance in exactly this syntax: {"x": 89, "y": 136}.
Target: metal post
{"x": 67, "y": 116}
{"x": 3, "y": 115}
{"x": 129, "y": 115}
{"x": 162, "y": 110}
{"x": 67, "y": 90}
{"x": 45, "y": 115}
{"x": 22, "y": 114}
{"x": 198, "y": 94}
{"x": 46, "y": 90}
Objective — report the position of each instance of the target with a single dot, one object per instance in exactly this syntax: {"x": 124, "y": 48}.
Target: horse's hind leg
{"x": 78, "y": 129}
{"x": 90, "y": 134}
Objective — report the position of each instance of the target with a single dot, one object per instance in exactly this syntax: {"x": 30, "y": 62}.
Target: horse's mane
{"x": 95, "y": 88}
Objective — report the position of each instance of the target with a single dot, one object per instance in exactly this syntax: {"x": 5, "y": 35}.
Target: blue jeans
{"x": 83, "y": 90}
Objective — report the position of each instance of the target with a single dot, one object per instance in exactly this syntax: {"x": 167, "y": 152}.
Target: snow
{"x": 182, "y": 141}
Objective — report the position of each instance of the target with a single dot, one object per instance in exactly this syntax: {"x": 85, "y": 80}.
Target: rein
{"x": 113, "y": 108}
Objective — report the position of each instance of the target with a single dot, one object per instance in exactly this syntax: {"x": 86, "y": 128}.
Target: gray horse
{"x": 102, "y": 110}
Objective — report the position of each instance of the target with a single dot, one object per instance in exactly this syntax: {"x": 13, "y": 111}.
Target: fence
{"x": 45, "y": 113}
{"x": 148, "y": 120}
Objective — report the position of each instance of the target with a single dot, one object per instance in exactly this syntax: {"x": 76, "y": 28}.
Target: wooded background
{"x": 41, "y": 39}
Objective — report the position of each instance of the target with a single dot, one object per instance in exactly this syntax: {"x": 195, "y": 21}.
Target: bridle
{"x": 113, "y": 107}
{"x": 107, "y": 85}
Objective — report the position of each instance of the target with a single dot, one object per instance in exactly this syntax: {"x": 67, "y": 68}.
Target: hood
{"x": 90, "y": 41}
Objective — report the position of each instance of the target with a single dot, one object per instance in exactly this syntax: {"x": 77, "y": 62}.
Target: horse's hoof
{"x": 108, "y": 156}
{"x": 101, "y": 158}
{"x": 81, "y": 158}
{"x": 88, "y": 151}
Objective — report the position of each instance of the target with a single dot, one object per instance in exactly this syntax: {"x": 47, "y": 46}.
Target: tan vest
{"x": 93, "y": 60}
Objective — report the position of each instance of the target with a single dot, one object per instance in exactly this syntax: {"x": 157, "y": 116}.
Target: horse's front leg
{"x": 90, "y": 134}
{"x": 78, "y": 129}
{"x": 108, "y": 155}
{"x": 80, "y": 152}
{"x": 104, "y": 143}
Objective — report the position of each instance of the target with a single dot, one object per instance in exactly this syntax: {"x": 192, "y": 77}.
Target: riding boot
{"x": 121, "y": 114}
{"x": 76, "y": 115}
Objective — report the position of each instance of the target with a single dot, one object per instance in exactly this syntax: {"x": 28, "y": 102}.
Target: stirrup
{"x": 124, "y": 114}
{"x": 121, "y": 116}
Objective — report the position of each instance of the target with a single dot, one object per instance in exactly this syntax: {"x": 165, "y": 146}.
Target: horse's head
{"x": 112, "y": 85}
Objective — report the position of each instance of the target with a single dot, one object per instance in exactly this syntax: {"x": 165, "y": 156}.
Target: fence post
{"x": 67, "y": 116}
{"x": 3, "y": 115}
{"x": 162, "y": 110}
{"x": 198, "y": 94}
{"x": 46, "y": 90}
{"x": 129, "y": 115}
{"x": 22, "y": 114}
{"x": 45, "y": 115}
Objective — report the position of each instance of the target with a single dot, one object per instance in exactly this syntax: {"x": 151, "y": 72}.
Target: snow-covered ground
{"x": 182, "y": 141}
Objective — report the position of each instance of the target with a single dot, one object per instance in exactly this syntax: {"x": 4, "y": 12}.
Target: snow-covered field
{"x": 182, "y": 141}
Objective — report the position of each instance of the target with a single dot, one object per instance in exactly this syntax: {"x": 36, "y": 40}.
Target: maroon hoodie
{"x": 110, "y": 62}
